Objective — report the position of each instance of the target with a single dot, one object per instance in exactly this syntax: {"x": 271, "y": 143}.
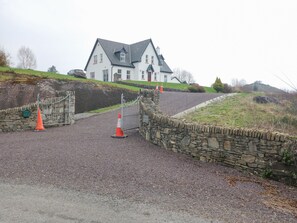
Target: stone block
{"x": 248, "y": 158}
{"x": 213, "y": 143}
{"x": 227, "y": 145}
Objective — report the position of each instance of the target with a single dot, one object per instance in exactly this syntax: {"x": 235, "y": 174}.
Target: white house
{"x": 141, "y": 61}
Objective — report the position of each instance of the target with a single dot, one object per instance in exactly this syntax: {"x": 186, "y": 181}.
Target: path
{"x": 56, "y": 175}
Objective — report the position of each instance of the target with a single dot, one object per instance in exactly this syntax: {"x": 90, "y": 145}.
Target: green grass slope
{"x": 178, "y": 86}
{"x": 6, "y": 73}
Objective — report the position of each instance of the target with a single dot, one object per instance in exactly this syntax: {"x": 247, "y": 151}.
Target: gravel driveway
{"x": 79, "y": 173}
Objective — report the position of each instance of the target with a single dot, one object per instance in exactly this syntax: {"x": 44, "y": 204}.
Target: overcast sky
{"x": 251, "y": 40}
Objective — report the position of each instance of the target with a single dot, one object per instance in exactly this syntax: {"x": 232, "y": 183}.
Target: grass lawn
{"x": 6, "y": 75}
{"x": 241, "y": 111}
{"x": 170, "y": 85}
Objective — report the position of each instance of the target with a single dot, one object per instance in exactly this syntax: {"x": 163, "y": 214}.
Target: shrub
{"x": 227, "y": 89}
{"x": 218, "y": 85}
{"x": 196, "y": 88}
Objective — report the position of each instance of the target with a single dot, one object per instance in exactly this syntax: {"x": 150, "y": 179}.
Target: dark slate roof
{"x": 164, "y": 67}
{"x": 138, "y": 49}
{"x": 110, "y": 48}
{"x": 150, "y": 68}
{"x": 133, "y": 52}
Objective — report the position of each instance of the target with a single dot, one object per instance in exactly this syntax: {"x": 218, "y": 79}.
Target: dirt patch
{"x": 272, "y": 197}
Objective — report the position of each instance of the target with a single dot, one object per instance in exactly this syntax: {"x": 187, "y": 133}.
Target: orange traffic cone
{"x": 119, "y": 131}
{"x": 39, "y": 123}
{"x": 161, "y": 89}
{"x": 157, "y": 88}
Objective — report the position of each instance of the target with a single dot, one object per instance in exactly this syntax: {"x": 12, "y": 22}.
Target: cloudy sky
{"x": 243, "y": 39}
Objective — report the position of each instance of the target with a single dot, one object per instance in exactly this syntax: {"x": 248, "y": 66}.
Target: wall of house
{"x": 99, "y": 67}
{"x": 124, "y": 72}
{"x": 142, "y": 66}
{"x": 263, "y": 153}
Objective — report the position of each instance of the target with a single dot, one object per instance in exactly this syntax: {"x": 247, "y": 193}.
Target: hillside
{"x": 260, "y": 87}
{"x": 20, "y": 87}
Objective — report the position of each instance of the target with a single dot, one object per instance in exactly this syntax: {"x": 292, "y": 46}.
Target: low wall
{"x": 272, "y": 155}
{"x": 55, "y": 111}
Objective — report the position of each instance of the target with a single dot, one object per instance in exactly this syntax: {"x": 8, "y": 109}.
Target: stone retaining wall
{"x": 55, "y": 111}
{"x": 269, "y": 154}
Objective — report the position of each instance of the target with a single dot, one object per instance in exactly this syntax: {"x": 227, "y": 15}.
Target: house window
{"x": 142, "y": 75}
{"x": 105, "y": 75}
{"x": 146, "y": 58}
{"x": 155, "y": 76}
{"x": 95, "y": 59}
{"x": 101, "y": 58}
{"x": 152, "y": 59}
{"x": 119, "y": 71}
{"x": 92, "y": 75}
{"x": 165, "y": 78}
{"x": 128, "y": 75}
{"x": 122, "y": 57}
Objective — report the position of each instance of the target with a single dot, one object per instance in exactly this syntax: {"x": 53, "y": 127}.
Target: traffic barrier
{"x": 39, "y": 123}
{"x": 119, "y": 132}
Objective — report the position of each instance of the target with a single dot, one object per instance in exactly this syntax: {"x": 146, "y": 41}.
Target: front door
{"x": 149, "y": 76}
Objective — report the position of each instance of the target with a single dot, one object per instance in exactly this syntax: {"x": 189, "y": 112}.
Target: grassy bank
{"x": 241, "y": 111}
{"x": 22, "y": 75}
{"x": 183, "y": 87}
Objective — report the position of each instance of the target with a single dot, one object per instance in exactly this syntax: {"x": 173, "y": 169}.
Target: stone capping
{"x": 17, "y": 109}
{"x": 269, "y": 154}
{"x": 153, "y": 112}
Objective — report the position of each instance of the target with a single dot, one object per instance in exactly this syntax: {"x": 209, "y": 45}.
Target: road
{"x": 78, "y": 173}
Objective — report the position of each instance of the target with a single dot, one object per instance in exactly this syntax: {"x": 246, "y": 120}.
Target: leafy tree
{"x": 218, "y": 85}
{"x": 52, "y": 69}
{"x": 26, "y": 58}
{"x": 4, "y": 58}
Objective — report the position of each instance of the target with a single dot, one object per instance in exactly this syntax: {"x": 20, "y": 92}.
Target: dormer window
{"x": 122, "y": 57}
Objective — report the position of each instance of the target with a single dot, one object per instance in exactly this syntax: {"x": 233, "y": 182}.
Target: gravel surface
{"x": 84, "y": 159}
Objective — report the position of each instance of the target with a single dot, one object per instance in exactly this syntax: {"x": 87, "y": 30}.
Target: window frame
{"x": 128, "y": 74}
{"x": 122, "y": 57}
{"x": 101, "y": 57}
{"x": 92, "y": 75}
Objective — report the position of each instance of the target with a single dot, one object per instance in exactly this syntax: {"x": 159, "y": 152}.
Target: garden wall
{"x": 263, "y": 153}
{"x": 55, "y": 111}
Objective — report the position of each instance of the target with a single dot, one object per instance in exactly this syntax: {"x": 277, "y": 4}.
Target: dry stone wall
{"x": 55, "y": 111}
{"x": 263, "y": 153}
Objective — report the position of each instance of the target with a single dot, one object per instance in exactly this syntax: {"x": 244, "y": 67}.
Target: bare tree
{"x": 26, "y": 58}
{"x": 4, "y": 58}
{"x": 237, "y": 84}
{"x": 183, "y": 75}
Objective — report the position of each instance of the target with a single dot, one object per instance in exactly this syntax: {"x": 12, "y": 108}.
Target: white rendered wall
{"x": 99, "y": 67}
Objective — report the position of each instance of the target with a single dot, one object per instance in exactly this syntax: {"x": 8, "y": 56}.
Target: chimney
{"x": 158, "y": 50}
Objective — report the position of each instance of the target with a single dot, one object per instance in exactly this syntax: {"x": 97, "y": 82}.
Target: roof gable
{"x": 133, "y": 53}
